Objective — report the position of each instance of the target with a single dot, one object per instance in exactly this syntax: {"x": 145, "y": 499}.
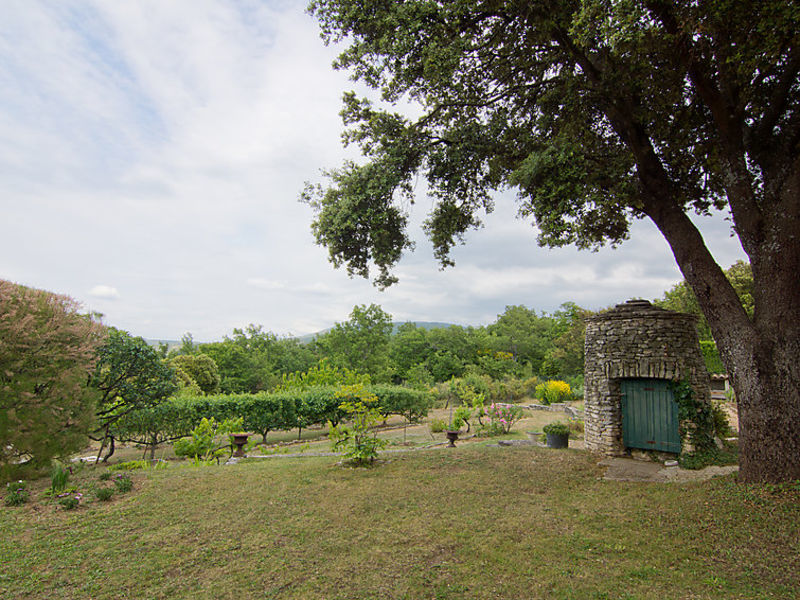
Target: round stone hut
{"x": 633, "y": 352}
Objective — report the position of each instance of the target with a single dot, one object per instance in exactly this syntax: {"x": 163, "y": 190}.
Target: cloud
{"x": 104, "y": 292}
{"x": 163, "y": 145}
{"x": 265, "y": 284}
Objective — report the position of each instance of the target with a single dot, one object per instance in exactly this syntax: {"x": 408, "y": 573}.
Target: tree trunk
{"x": 153, "y": 444}
{"x": 110, "y": 449}
{"x": 762, "y": 356}
{"x": 769, "y": 413}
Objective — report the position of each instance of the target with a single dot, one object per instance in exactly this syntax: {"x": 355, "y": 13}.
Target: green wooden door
{"x": 649, "y": 415}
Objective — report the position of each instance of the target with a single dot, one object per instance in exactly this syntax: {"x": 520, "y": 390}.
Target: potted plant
{"x": 557, "y": 435}
{"x": 457, "y": 420}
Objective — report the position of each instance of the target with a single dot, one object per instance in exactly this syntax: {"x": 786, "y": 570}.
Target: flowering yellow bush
{"x": 553, "y": 392}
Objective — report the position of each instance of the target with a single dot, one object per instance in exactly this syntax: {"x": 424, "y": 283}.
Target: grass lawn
{"x": 474, "y": 522}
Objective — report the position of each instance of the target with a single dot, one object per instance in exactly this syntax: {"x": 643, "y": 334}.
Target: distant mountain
{"x": 395, "y": 326}
{"x": 172, "y": 344}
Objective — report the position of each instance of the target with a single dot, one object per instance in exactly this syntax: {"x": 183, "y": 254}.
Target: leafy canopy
{"x": 130, "y": 375}
{"x": 597, "y": 112}
{"x": 46, "y": 353}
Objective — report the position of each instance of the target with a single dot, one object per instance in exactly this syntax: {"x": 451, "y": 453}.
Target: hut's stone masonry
{"x": 634, "y": 340}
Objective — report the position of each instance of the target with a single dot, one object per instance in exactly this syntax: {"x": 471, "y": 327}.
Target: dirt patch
{"x": 629, "y": 469}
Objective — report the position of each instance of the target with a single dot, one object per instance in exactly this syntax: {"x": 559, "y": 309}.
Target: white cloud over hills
{"x": 161, "y": 147}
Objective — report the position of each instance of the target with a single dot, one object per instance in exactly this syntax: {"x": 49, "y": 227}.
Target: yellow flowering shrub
{"x": 553, "y": 392}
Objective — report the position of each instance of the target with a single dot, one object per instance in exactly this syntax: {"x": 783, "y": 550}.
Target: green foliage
{"x": 262, "y": 412}
{"x": 728, "y": 455}
{"x": 501, "y": 417}
{"x": 696, "y": 420}
{"x": 681, "y": 299}
{"x": 130, "y": 376}
{"x": 553, "y": 392}
{"x": 359, "y": 439}
{"x": 253, "y": 360}
{"x": 711, "y": 356}
{"x": 46, "y": 352}
{"x": 122, "y": 483}
{"x": 16, "y": 493}
{"x": 437, "y": 425}
{"x": 557, "y": 428}
{"x": 198, "y": 369}
{"x": 523, "y": 333}
{"x": 209, "y": 440}
{"x": 461, "y": 416}
{"x": 323, "y": 374}
{"x": 722, "y": 428}
{"x": 59, "y": 477}
{"x": 70, "y": 502}
{"x": 412, "y": 404}
{"x": 564, "y": 355}
{"x": 104, "y": 494}
{"x": 361, "y": 343}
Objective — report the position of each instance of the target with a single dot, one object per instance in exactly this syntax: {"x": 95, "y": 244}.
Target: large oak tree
{"x": 598, "y": 112}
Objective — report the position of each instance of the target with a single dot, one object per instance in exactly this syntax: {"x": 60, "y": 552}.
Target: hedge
{"x": 262, "y": 412}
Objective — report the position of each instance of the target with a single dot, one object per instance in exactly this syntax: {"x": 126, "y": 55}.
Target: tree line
{"x": 521, "y": 343}
{"x": 65, "y": 376}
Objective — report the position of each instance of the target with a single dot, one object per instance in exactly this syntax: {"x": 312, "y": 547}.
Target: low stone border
{"x": 557, "y": 407}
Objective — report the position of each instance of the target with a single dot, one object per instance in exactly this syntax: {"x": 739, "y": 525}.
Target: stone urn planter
{"x": 239, "y": 440}
{"x": 452, "y": 436}
{"x": 557, "y": 435}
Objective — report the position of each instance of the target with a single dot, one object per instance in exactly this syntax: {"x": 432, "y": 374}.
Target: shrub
{"x": 437, "y": 425}
{"x": 209, "y": 439}
{"x": 461, "y": 416}
{"x": 553, "y": 392}
{"x": 104, "y": 494}
{"x": 130, "y": 465}
{"x": 576, "y": 427}
{"x": 558, "y": 428}
{"x": 123, "y": 483}
{"x": 16, "y": 493}
{"x": 46, "y": 352}
{"x": 501, "y": 417}
{"x": 722, "y": 428}
{"x": 530, "y": 385}
{"x": 359, "y": 440}
{"x": 70, "y": 501}
{"x": 59, "y": 476}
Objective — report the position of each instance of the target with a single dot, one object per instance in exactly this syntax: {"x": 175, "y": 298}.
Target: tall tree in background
{"x": 525, "y": 334}
{"x": 598, "y": 113}
{"x": 681, "y": 298}
{"x": 46, "y": 354}
{"x": 361, "y": 343}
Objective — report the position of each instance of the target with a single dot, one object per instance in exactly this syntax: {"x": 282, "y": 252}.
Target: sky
{"x": 151, "y": 158}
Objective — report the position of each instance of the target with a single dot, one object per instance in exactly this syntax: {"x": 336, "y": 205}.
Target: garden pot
{"x": 452, "y": 436}
{"x": 239, "y": 440}
{"x": 557, "y": 440}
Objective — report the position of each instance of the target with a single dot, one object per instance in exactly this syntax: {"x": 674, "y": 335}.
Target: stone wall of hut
{"x": 634, "y": 340}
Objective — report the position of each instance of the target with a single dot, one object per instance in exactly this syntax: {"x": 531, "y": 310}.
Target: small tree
{"x": 129, "y": 375}
{"x": 359, "y": 439}
{"x": 200, "y": 369}
{"x": 46, "y": 352}
{"x": 209, "y": 441}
